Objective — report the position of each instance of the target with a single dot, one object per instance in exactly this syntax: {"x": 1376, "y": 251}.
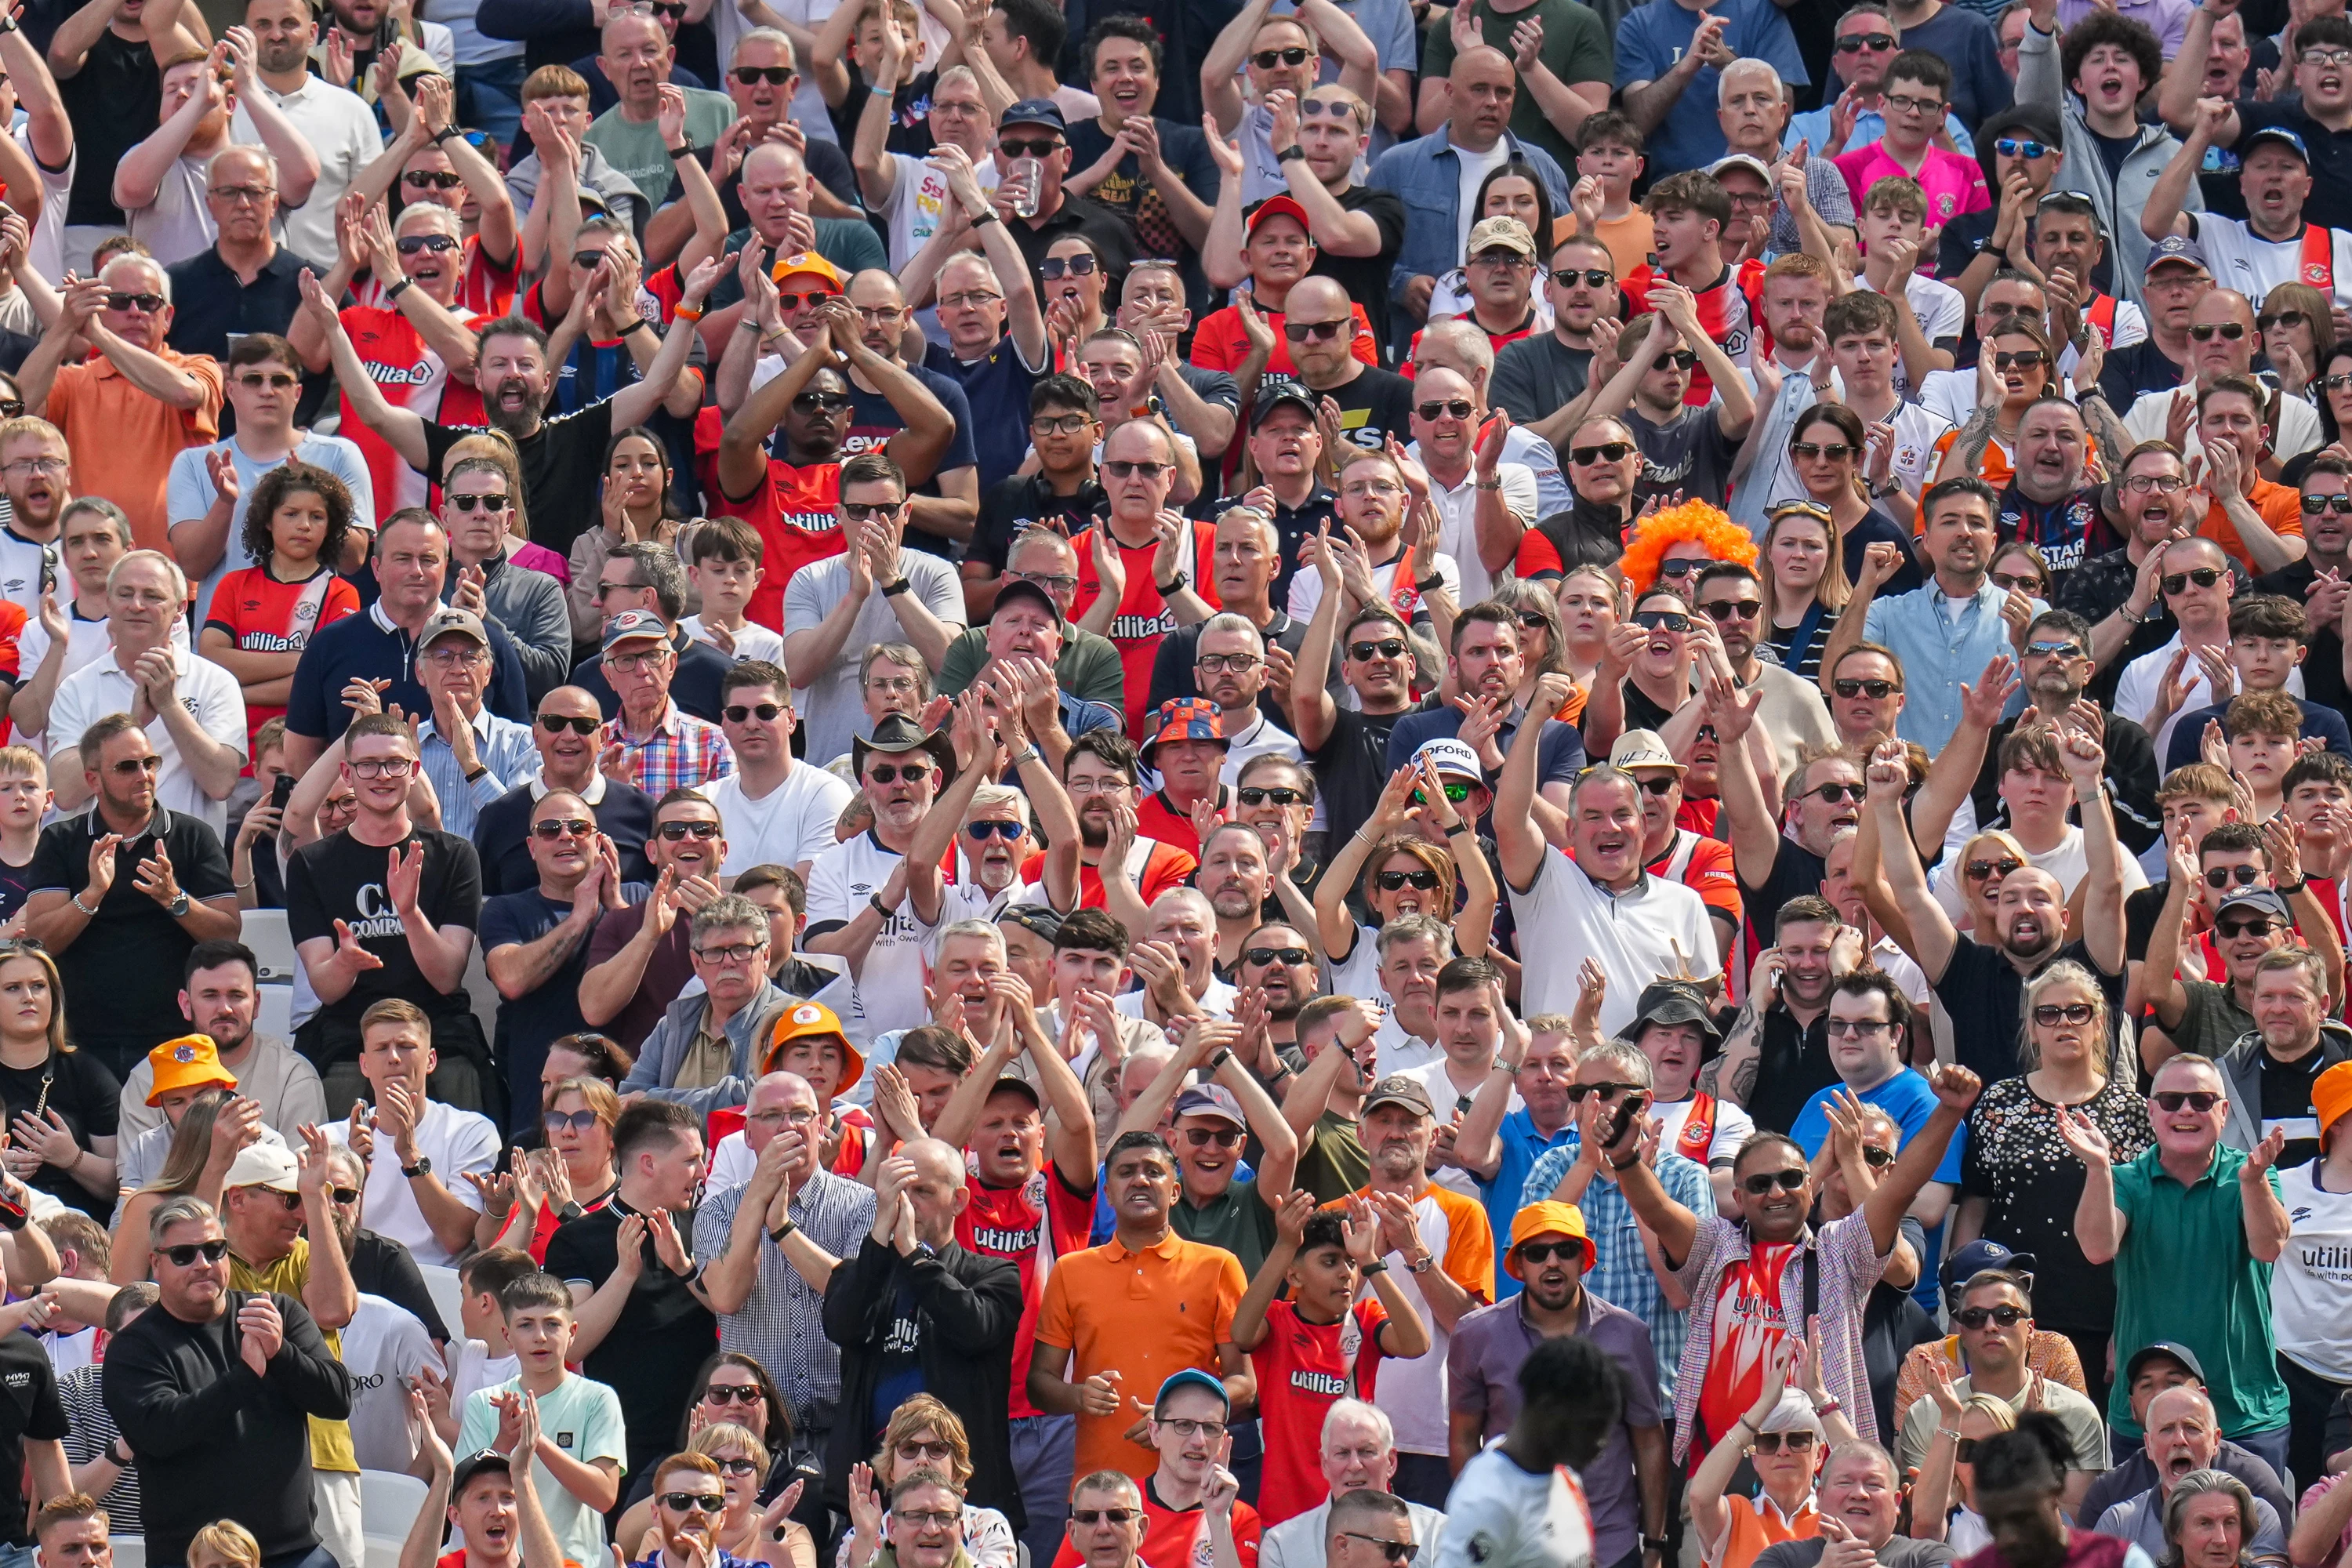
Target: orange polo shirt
{"x": 1144, "y": 1315}
{"x": 2281, "y": 506}
{"x": 1758, "y": 1522}
{"x": 123, "y": 441}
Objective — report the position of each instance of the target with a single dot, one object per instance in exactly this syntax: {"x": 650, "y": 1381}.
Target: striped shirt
{"x": 1622, "y": 1278}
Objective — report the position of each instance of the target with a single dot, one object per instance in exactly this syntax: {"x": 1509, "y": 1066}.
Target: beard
{"x": 520, "y": 420}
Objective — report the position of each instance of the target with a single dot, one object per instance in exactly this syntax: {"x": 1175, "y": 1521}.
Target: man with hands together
{"x": 492, "y": 1498}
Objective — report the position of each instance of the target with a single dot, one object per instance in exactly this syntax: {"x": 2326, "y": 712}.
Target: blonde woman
{"x": 1804, "y": 584}
{"x": 747, "y": 1532}
{"x": 1590, "y": 609}
{"x": 196, "y": 1163}
{"x": 921, "y": 1433}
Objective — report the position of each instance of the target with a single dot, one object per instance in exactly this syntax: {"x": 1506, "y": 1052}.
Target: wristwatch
{"x": 985, "y": 219}
{"x": 1422, "y": 1265}
{"x": 784, "y": 1230}
{"x": 116, "y": 1454}
{"x": 1431, "y": 583}
{"x": 1288, "y": 153}
{"x": 1174, "y": 583}
{"x": 892, "y": 590}
{"x": 424, "y": 1167}
{"x": 444, "y": 134}
{"x": 1653, "y": 1543}
{"x": 179, "y": 904}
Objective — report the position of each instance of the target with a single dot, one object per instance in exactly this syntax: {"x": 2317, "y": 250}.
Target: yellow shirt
{"x": 331, "y": 1441}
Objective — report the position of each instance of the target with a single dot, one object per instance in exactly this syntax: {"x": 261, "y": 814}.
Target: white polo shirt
{"x": 1633, "y": 935}
{"x": 102, "y": 687}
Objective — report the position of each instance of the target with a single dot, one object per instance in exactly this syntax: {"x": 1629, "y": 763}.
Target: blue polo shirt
{"x": 369, "y": 645}
{"x": 1522, "y": 1146}
{"x": 1942, "y": 642}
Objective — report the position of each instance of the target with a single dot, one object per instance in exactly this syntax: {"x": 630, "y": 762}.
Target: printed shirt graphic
{"x": 262, "y": 615}
{"x": 1302, "y": 1369}
{"x": 1727, "y": 313}
{"x": 1143, "y": 616}
{"x": 798, "y": 521}
{"x": 1032, "y": 1225}
{"x": 412, "y": 376}
{"x": 1748, "y": 1325}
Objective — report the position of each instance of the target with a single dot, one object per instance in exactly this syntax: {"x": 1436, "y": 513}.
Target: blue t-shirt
{"x": 1522, "y": 1146}
{"x": 1906, "y": 1098}
{"x": 1653, "y": 37}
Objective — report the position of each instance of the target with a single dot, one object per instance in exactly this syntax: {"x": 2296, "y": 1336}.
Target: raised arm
{"x": 402, "y": 429}
{"x": 1955, "y": 1092}
{"x": 1933, "y": 939}
{"x": 1518, "y": 843}
{"x": 297, "y": 160}
{"x": 46, "y": 125}
{"x": 1476, "y": 1149}
{"x": 1954, "y": 772}
{"x": 639, "y": 402}
{"x": 1221, "y": 67}
{"x": 496, "y": 234}
{"x": 2159, "y": 981}
{"x": 2163, "y": 216}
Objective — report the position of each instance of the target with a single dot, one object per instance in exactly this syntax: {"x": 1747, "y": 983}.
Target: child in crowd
{"x": 23, "y": 801}
{"x": 223, "y": 1544}
{"x": 2261, "y": 727}
{"x": 582, "y": 1442}
{"x": 723, "y": 565}
{"x": 265, "y": 614}
{"x": 1610, "y": 156}
{"x": 484, "y": 1357}
{"x": 1894, "y": 216}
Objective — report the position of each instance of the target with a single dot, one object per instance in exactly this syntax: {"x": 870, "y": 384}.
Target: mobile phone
{"x": 281, "y": 790}
{"x": 1632, "y": 1105}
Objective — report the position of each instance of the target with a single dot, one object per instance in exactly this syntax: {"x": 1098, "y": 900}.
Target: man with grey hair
{"x": 1862, "y": 1492}
{"x": 2183, "y": 1439}
{"x": 706, "y": 1050}
{"x": 244, "y": 281}
{"x": 1752, "y": 107}
{"x": 1357, "y": 1455}
{"x": 89, "y": 534}
{"x": 1483, "y": 503}
{"x": 192, "y": 708}
{"x": 162, "y": 183}
{"x": 1413, "y": 949}
{"x": 1176, "y": 960}
{"x": 1230, "y": 665}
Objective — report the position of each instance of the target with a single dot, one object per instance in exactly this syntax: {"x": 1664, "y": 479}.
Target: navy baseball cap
{"x": 2278, "y": 134}
{"x": 1035, "y": 112}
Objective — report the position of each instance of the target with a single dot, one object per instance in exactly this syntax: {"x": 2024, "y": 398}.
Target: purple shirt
{"x": 1482, "y": 1368}
{"x": 2167, "y": 19}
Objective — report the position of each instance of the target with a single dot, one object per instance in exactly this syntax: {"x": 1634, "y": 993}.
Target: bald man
{"x": 1373, "y": 404}
{"x": 914, "y": 1313}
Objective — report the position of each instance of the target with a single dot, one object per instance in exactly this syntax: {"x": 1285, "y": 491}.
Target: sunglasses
{"x": 1328, "y": 108}
{"x": 574, "y": 1121}
{"x": 1389, "y": 881}
{"x": 147, "y": 304}
{"x": 1591, "y": 278}
{"x": 737, "y": 1467}
{"x": 2049, "y": 1012}
{"x": 1835, "y": 451}
{"x": 1607, "y": 452}
{"x": 1266, "y": 59}
{"x": 695, "y": 1502}
{"x": 2221, "y": 876}
{"x": 751, "y": 76}
{"x": 1847, "y": 686}
{"x": 1388, "y": 647}
{"x": 2283, "y": 319}
{"x": 1661, "y": 786}
{"x": 1796, "y": 1442}
{"x": 1671, "y": 620}
{"x": 1878, "y": 44}
{"x": 2197, "y": 1100}
{"x": 2203, "y": 576}
{"x": 1035, "y": 147}
{"x": 982, "y": 832}
{"x": 186, "y": 1254}
{"x": 1261, "y": 957}
{"x": 1981, "y": 870}
{"x": 1877, "y": 1158}
{"x": 2011, "y": 147}
{"x": 821, "y": 401}
{"x": 417, "y": 244}
{"x": 2230, "y": 332}
{"x": 938, "y": 1452}
{"x": 496, "y": 502}
{"x": 1079, "y": 265}
{"x": 766, "y": 712}
{"x": 556, "y": 724}
{"x": 1456, "y": 792}
{"x": 1681, "y": 359}
{"x": 345, "y": 1195}
{"x": 1316, "y": 331}
{"x": 675, "y": 832}
{"x": 2340, "y": 505}
{"x": 1129, "y": 467}
{"x": 1734, "y": 609}
{"x": 1836, "y": 793}
{"x": 1458, "y": 408}
{"x": 2055, "y": 650}
{"x": 2230, "y": 931}
{"x": 1103, "y": 1515}
{"x": 268, "y": 383}
{"x": 1605, "y": 1089}
{"x": 891, "y": 772}
{"x": 433, "y": 180}
{"x": 1392, "y": 1550}
{"x": 813, "y": 298}
{"x": 1545, "y": 1251}
{"x": 2016, "y": 580}
{"x": 1533, "y": 621}
{"x": 1682, "y": 566}
{"x": 1761, "y": 1183}
{"x": 744, "y": 1394}
{"x": 556, "y": 827}
{"x": 1256, "y": 795}
{"x": 2023, "y": 359}
{"x": 129, "y": 765}
{"x": 1978, "y": 1317}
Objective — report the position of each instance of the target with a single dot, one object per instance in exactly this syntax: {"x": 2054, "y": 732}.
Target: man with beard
{"x": 1212, "y": 1119}
{"x": 1235, "y": 878}
{"x": 1347, "y": 743}
{"x": 2047, "y": 503}
{"x": 1728, "y": 593}
{"x": 219, "y": 998}
{"x": 1528, "y": 1076}
{"x": 1983, "y": 977}
{"x": 35, "y": 466}
{"x": 2192, "y": 1208}
{"x": 1625, "y": 1483}
{"x": 2183, "y": 1437}
{"x": 1486, "y": 668}
{"x": 1540, "y": 380}
{"x": 160, "y": 183}
{"x": 561, "y": 459}
{"x": 1232, "y": 668}
{"x": 1687, "y": 446}
{"x": 1776, "y": 1053}
{"x": 2057, "y": 667}
{"x": 2291, "y": 1046}
{"x": 1100, "y": 777}
{"x": 1372, "y": 404}
{"x": 1484, "y": 505}
{"x": 571, "y": 734}
{"x": 2119, "y": 593}
{"x": 1277, "y": 968}
{"x": 341, "y": 131}
{"x": 639, "y": 959}
{"x": 1134, "y": 571}
{"x": 1253, "y": 553}
{"x": 2318, "y": 579}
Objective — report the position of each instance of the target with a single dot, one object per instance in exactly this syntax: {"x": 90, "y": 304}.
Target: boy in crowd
{"x": 723, "y": 562}
{"x": 23, "y": 801}
{"x": 2267, "y": 647}
{"x": 1607, "y": 164}
{"x": 577, "y": 1460}
{"x": 486, "y": 1357}
{"x": 1894, "y": 234}
{"x": 2261, "y": 727}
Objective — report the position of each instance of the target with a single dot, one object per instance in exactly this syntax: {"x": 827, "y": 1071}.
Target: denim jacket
{"x": 1427, "y": 173}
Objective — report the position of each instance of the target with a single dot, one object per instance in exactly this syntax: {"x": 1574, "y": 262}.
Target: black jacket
{"x": 968, "y": 1307}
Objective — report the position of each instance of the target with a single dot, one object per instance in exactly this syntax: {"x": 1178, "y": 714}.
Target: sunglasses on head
{"x": 1761, "y": 1183}
{"x": 1079, "y": 265}
{"x": 891, "y": 772}
{"x": 1266, "y": 59}
{"x": 556, "y": 827}
{"x": 1978, "y": 1317}
{"x": 2203, "y": 576}
{"x": 1316, "y": 331}
{"x": 433, "y": 179}
{"x": 1981, "y": 870}
{"x": 2340, "y": 505}
{"x": 982, "y": 832}
{"x": 751, "y": 76}
{"x": 1033, "y": 147}
{"x": 2230, "y": 332}
{"x": 1389, "y": 881}
{"x": 556, "y": 724}
{"x": 1261, "y": 957}
{"x": 737, "y": 714}
{"x": 1387, "y": 647}
{"x": 1607, "y": 452}
{"x": 1876, "y": 43}
{"x": 186, "y": 1254}
{"x": 1670, "y": 620}
{"x": 674, "y": 832}
{"x": 1259, "y": 794}
{"x": 2197, "y": 1100}
{"x": 1848, "y": 686}
{"x": 2049, "y": 1012}
{"x": 1797, "y": 1442}
{"x": 2257, "y": 926}
{"x": 1458, "y": 408}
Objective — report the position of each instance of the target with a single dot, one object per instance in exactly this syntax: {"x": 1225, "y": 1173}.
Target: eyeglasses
{"x": 2221, "y": 876}
{"x": 1387, "y": 647}
{"x": 1051, "y": 581}
{"x": 1218, "y": 663}
{"x": 1059, "y": 423}
{"x": 147, "y": 304}
{"x": 1035, "y": 147}
{"x": 799, "y": 1116}
{"x": 1654, "y": 620}
{"x": 1605, "y": 1089}
{"x": 2230, "y": 332}
{"x": 1502, "y": 256}
{"x": 433, "y": 179}
{"x": 675, "y": 832}
{"x": 886, "y": 773}
{"x": 240, "y": 195}
{"x": 2203, "y": 576}
{"x": 1797, "y": 1442}
{"x": 1681, "y": 359}
{"x": 555, "y": 827}
{"x": 813, "y": 298}
{"x": 1733, "y": 609}
{"x": 1458, "y": 408}
{"x": 1545, "y": 1251}
{"x": 743, "y": 1394}
{"x": 2261, "y": 925}
{"x": 970, "y": 299}
{"x": 1191, "y": 1429}
{"x": 556, "y": 724}
{"x": 2023, "y": 359}
{"x": 1978, "y": 1317}
{"x": 35, "y": 466}
{"x": 571, "y": 1120}
{"x": 1079, "y": 265}
{"x": 1835, "y": 451}
{"x": 186, "y": 1254}
{"x": 416, "y": 244}
{"x": 1761, "y": 1183}
{"x": 1904, "y": 103}
{"x": 1847, "y": 686}
{"x": 129, "y": 765}
{"x": 1981, "y": 870}
{"x": 2323, "y": 57}
{"x": 1261, "y": 957}
{"x": 1266, "y": 59}
{"x": 1131, "y": 468}
{"x": 2054, "y": 650}
{"x": 496, "y": 502}
{"x": 2197, "y": 1100}
{"x": 1259, "y": 794}
{"x": 383, "y": 767}
{"x": 1391, "y": 1550}
{"x": 1876, "y": 43}
{"x": 2341, "y": 505}
{"x": 1104, "y": 1515}
{"x": 695, "y": 1502}
{"x": 1591, "y": 278}
{"x": 732, "y": 952}
{"x": 751, "y": 76}
{"x": 268, "y": 383}
{"x": 1855, "y": 1028}
{"x": 2162, "y": 484}
{"x": 823, "y": 402}
{"x": 982, "y": 832}
{"x": 892, "y": 683}
{"x": 1318, "y": 331}
{"x": 742, "y": 712}
{"x": 1454, "y": 791}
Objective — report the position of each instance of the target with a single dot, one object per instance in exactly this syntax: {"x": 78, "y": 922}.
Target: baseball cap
{"x": 808, "y": 263}
{"x": 2177, "y": 247}
{"x": 264, "y": 1164}
{"x": 473, "y": 1464}
{"x": 1181, "y": 719}
{"x": 1398, "y": 1090}
{"x": 1190, "y": 1377}
{"x": 814, "y": 1020}
{"x": 1671, "y": 1002}
{"x": 1966, "y": 1262}
{"x": 1019, "y": 588}
{"x": 1642, "y": 749}
{"x": 2171, "y": 1348}
{"x": 192, "y": 1061}
{"x": 1274, "y": 392}
{"x": 2262, "y": 899}
{"x": 1502, "y": 230}
{"x": 2278, "y": 134}
{"x": 450, "y": 619}
{"x": 1210, "y": 1100}
{"x": 1547, "y": 1218}
{"x": 1742, "y": 160}
{"x": 1277, "y": 206}
{"x": 1451, "y": 758}
{"x": 1035, "y": 112}
{"x": 629, "y": 625}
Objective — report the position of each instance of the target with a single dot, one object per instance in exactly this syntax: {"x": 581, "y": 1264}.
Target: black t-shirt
{"x": 1351, "y": 768}
{"x": 1641, "y": 712}
{"x": 911, "y": 113}
{"x": 113, "y": 101}
{"x": 76, "y": 1086}
{"x": 1011, "y": 505}
{"x": 340, "y": 878}
{"x": 2286, "y": 1101}
{"x": 29, "y": 1407}
{"x": 1689, "y": 453}
{"x": 16, "y": 882}
{"x": 2138, "y": 368}
{"x": 383, "y": 1267}
{"x": 659, "y": 1342}
{"x": 1796, "y": 873}
{"x": 561, "y": 462}
{"x": 1791, "y": 1066}
{"x": 2113, "y": 150}
{"x": 1377, "y": 404}
{"x": 546, "y": 1013}
{"x": 2141, "y": 906}
{"x": 1982, "y": 993}
{"x": 123, "y": 974}
{"x": 1538, "y": 375}
{"x": 1366, "y": 278}
{"x": 2323, "y": 664}
{"x": 898, "y": 1366}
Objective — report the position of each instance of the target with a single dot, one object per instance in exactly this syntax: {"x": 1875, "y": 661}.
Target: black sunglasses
{"x": 186, "y": 1254}
{"x": 891, "y": 772}
{"x": 1876, "y": 43}
{"x": 556, "y": 724}
{"x": 1392, "y": 1550}
{"x": 417, "y": 244}
{"x": 2231, "y": 331}
{"x": 736, "y": 713}
{"x": 1591, "y": 278}
{"x": 1761, "y": 1183}
{"x": 2312, "y": 505}
{"x": 1389, "y": 881}
{"x": 494, "y": 503}
{"x": 1607, "y": 452}
{"x": 433, "y": 179}
{"x": 1847, "y": 686}
{"x": 1033, "y": 147}
{"x": 1545, "y": 1251}
{"x": 1605, "y": 1089}
{"x": 1681, "y": 359}
{"x": 1388, "y": 647}
{"x": 2230, "y": 931}
{"x": 147, "y": 303}
{"x": 1458, "y": 407}
{"x": 1261, "y": 957}
{"x": 1978, "y": 870}
{"x": 751, "y": 75}
{"x": 2197, "y": 1100}
{"x": 2049, "y": 1013}
{"x": 1255, "y": 794}
{"x": 2221, "y": 876}
{"x": 675, "y": 832}
{"x": 2023, "y": 359}
{"x": 1978, "y": 1317}
{"x": 2203, "y": 576}
{"x": 1316, "y": 332}
{"x": 1266, "y": 59}
{"x": 1651, "y": 620}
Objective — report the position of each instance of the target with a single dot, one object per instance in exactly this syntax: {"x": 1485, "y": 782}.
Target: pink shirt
{"x": 1954, "y": 184}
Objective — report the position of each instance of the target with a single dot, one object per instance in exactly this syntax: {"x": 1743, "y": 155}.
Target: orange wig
{"x": 1693, "y": 519}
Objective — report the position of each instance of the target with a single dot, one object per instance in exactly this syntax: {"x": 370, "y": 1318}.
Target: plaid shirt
{"x": 1622, "y": 1278}
{"x": 782, "y": 1324}
{"x": 682, "y": 753}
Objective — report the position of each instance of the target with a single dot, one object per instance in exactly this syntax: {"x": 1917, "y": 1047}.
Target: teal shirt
{"x": 637, "y": 150}
{"x": 2197, "y": 1233}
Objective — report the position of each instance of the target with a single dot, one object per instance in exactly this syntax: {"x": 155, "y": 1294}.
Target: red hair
{"x": 1693, "y": 519}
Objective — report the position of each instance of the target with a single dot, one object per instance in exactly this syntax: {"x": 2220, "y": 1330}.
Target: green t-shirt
{"x": 1575, "y": 48}
{"x": 1332, "y": 1162}
{"x": 636, "y": 149}
{"x": 1237, "y": 1219}
{"x": 2196, "y": 1232}
{"x": 583, "y": 1417}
